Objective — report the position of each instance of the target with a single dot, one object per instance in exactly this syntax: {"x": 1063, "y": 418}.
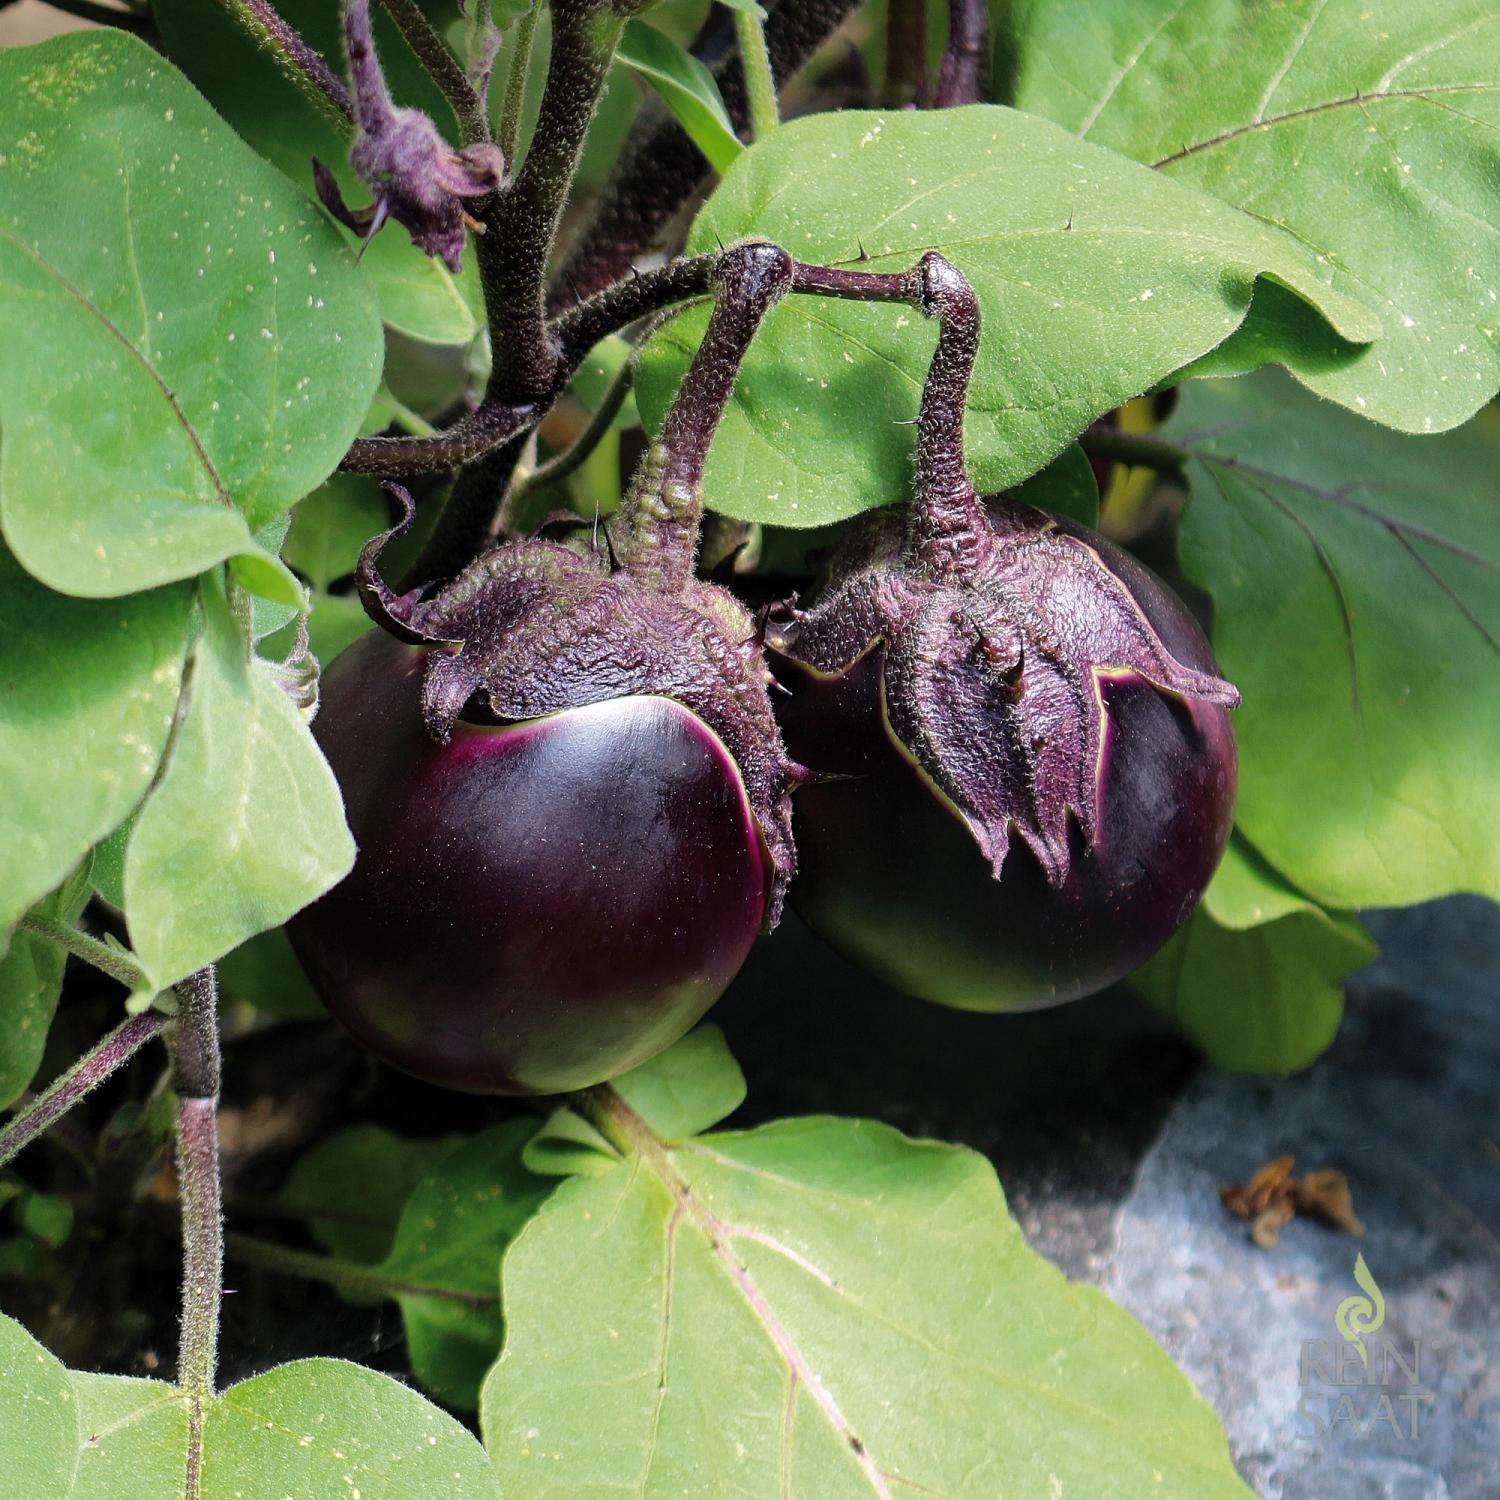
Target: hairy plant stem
{"x": 760, "y": 78}
{"x": 443, "y": 68}
{"x": 196, "y": 1058}
{"x": 306, "y": 1265}
{"x": 99, "y": 1063}
{"x": 659, "y": 170}
{"x": 576, "y": 454}
{"x": 515, "y": 84}
{"x": 946, "y": 529}
{"x": 300, "y": 64}
{"x": 521, "y": 222}
{"x": 961, "y": 78}
{"x": 1134, "y": 450}
{"x": 100, "y": 955}
{"x": 661, "y": 510}
{"x": 495, "y": 423}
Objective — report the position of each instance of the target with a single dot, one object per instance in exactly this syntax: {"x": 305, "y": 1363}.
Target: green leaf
{"x": 31, "y": 974}
{"x": 1256, "y": 977}
{"x": 1097, "y": 278}
{"x": 453, "y": 1231}
{"x": 331, "y": 525}
{"x": 45, "y": 1217}
{"x": 310, "y": 1430}
{"x": 200, "y": 347}
{"x": 360, "y": 1179}
{"x": 38, "y": 1418}
{"x": 1067, "y": 485}
{"x": 1354, "y": 575}
{"x": 686, "y": 87}
{"x": 417, "y": 294}
{"x": 1371, "y": 132}
{"x": 688, "y": 1088}
{"x": 245, "y": 827}
{"x": 822, "y": 1307}
{"x": 264, "y": 973}
{"x": 568, "y": 1146}
{"x": 89, "y": 688}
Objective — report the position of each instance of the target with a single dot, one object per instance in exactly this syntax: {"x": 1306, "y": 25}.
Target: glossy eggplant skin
{"x": 534, "y": 907}
{"x": 890, "y": 875}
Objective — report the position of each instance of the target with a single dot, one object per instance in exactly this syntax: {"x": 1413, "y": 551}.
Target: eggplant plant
{"x": 500, "y": 497}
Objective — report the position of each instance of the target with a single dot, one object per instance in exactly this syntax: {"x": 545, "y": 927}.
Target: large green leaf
{"x": 199, "y": 346}
{"x": 246, "y": 825}
{"x": 1370, "y": 129}
{"x": 453, "y": 1231}
{"x": 311, "y": 1430}
{"x": 821, "y": 1308}
{"x": 353, "y": 1186}
{"x": 38, "y": 1418}
{"x": 1097, "y": 277}
{"x": 1355, "y": 574}
{"x": 418, "y": 295}
{"x": 31, "y": 974}
{"x": 88, "y": 687}
{"x": 1256, "y": 976}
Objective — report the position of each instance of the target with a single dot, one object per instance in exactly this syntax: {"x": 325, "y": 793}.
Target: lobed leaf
{"x": 821, "y": 1307}
{"x": 1370, "y": 132}
{"x": 1354, "y": 576}
{"x": 200, "y": 347}
{"x": 1098, "y": 278}
{"x": 308, "y": 1430}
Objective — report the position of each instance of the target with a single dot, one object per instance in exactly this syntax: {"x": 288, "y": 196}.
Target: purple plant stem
{"x": 946, "y": 528}
{"x": 442, "y": 67}
{"x": 196, "y": 1054}
{"x": 660, "y": 169}
{"x": 86, "y": 1074}
{"x": 494, "y": 423}
{"x": 961, "y": 80}
{"x": 264, "y": 23}
{"x": 521, "y": 223}
{"x": 487, "y": 427}
{"x": 664, "y": 504}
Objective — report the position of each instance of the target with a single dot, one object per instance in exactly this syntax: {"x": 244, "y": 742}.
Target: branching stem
{"x": 100, "y": 955}
{"x": 86, "y": 1074}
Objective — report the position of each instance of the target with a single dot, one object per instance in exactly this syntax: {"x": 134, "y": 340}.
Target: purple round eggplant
{"x": 535, "y": 906}
{"x": 996, "y": 905}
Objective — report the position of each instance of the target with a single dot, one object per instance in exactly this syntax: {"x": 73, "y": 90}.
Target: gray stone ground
{"x": 1112, "y": 1142}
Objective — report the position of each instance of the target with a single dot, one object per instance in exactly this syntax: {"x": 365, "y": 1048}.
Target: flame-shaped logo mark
{"x": 1360, "y": 1315}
